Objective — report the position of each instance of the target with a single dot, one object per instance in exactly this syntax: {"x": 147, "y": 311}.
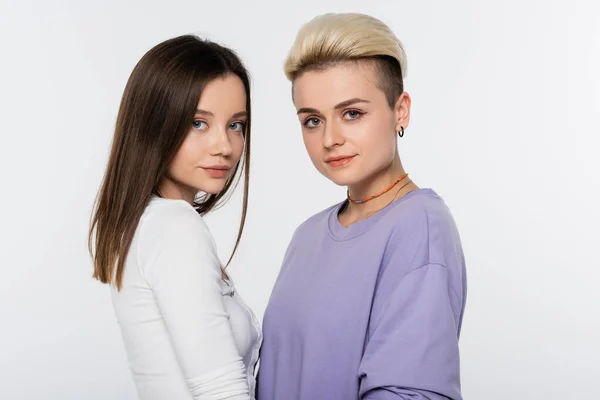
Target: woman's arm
{"x": 178, "y": 258}
{"x": 412, "y": 352}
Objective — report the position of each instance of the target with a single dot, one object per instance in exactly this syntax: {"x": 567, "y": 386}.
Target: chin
{"x": 212, "y": 188}
{"x": 343, "y": 178}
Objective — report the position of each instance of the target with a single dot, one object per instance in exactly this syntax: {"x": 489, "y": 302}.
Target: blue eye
{"x": 237, "y": 126}
{"x": 352, "y": 114}
{"x": 200, "y": 125}
{"x": 312, "y": 122}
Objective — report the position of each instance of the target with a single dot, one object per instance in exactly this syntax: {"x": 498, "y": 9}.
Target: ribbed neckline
{"x": 340, "y": 233}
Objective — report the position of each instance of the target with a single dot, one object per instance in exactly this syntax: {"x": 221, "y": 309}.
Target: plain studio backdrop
{"x": 506, "y": 103}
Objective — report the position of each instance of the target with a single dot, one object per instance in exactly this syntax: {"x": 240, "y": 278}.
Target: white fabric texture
{"x": 187, "y": 333}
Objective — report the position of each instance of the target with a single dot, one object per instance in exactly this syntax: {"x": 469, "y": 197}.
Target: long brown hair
{"x": 156, "y": 112}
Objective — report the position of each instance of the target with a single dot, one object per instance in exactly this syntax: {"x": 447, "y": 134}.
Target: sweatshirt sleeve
{"x": 412, "y": 351}
{"x": 179, "y": 260}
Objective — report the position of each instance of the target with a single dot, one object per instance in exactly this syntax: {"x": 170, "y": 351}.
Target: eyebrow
{"x": 236, "y": 115}
{"x": 343, "y": 104}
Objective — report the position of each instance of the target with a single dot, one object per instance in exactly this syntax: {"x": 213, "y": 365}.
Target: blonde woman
{"x": 370, "y": 298}
{"x": 182, "y": 136}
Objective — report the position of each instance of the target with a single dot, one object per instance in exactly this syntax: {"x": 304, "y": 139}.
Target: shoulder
{"x": 422, "y": 211}
{"x": 172, "y": 217}
{"x": 422, "y": 225}
{"x": 172, "y": 226}
{"x": 316, "y": 223}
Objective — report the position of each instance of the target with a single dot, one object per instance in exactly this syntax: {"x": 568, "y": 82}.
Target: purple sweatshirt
{"x": 372, "y": 311}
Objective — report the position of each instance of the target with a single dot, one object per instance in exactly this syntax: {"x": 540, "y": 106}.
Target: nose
{"x": 332, "y": 135}
{"x": 221, "y": 144}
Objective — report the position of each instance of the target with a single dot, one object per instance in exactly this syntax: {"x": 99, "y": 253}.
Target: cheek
{"x": 237, "y": 146}
{"x": 183, "y": 157}
{"x": 378, "y": 140}
{"x": 313, "y": 145}
{"x": 189, "y": 154}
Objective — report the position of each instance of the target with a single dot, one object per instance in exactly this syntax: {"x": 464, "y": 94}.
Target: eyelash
{"x": 359, "y": 114}
{"x": 243, "y": 125}
{"x": 307, "y": 120}
{"x": 198, "y": 121}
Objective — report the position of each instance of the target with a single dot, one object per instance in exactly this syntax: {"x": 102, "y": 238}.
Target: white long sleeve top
{"x": 187, "y": 333}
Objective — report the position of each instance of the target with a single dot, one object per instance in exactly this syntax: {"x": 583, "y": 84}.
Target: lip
{"x": 339, "y": 161}
{"x": 217, "y": 171}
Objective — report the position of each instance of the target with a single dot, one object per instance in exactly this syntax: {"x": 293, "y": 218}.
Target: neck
{"x": 172, "y": 190}
{"x": 375, "y": 184}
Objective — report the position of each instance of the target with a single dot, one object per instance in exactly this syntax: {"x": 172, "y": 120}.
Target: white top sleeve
{"x": 178, "y": 258}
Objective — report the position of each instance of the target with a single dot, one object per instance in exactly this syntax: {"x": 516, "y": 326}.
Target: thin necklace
{"x": 345, "y": 206}
{"x": 391, "y": 201}
{"x": 362, "y": 201}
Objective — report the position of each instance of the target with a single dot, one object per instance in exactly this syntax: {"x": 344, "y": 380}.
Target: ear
{"x": 402, "y": 111}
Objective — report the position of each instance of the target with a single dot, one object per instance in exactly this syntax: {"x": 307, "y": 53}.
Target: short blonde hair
{"x": 334, "y": 38}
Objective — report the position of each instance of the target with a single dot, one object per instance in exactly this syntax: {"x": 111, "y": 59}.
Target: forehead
{"x": 223, "y": 92}
{"x": 323, "y": 89}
